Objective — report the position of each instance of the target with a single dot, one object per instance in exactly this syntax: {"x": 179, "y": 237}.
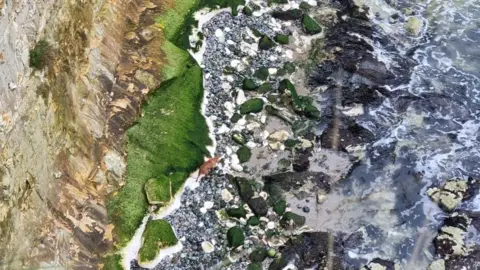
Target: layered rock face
{"x": 62, "y": 127}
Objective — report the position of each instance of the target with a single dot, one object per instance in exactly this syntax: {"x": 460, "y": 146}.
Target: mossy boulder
{"x": 305, "y": 6}
{"x": 160, "y": 190}
{"x": 158, "y": 234}
{"x": 245, "y": 188}
{"x": 238, "y": 138}
{"x": 254, "y": 105}
{"x": 310, "y": 26}
{"x": 244, "y": 154}
{"x": 237, "y": 212}
{"x": 259, "y": 206}
{"x": 235, "y": 237}
{"x": 282, "y": 39}
{"x": 280, "y": 207}
{"x": 288, "y": 15}
{"x": 253, "y": 221}
{"x": 262, "y": 73}
{"x": 258, "y": 255}
{"x": 291, "y": 219}
{"x": 249, "y": 84}
{"x": 264, "y": 88}
{"x": 247, "y": 11}
{"x": 265, "y": 43}
{"x": 277, "y": 2}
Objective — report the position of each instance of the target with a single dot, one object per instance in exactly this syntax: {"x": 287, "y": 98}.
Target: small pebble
{"x": 306, "y": 209}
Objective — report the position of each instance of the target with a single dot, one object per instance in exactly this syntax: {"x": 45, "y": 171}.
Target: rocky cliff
{"x": 62, "y": 126}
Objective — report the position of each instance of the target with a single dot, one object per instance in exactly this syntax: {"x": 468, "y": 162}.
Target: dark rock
{"x": 259, "y": 206}
{"x": 283, "y": 114}
{"x": 288, "y": 181}
{"x": 253, "y": 105}
{"x": 349, "y": 133}
{"x": 277, "y": 2}
{"x": 235, "y": 237}
{"x": 237, "y": 212}
{"x": 247, "y": 11}
{"x": 290, "y": 143}
{"x": 244, "y": 154}
{"x": 249, "y": 84}
{"x": 258, "y": 255}
{"x": 450, "y": 239}
{"x": 278, "y": 263}
{"x": 305, "y": 6}
{"x": 280, "y": 207}
{"x": 467, "y": 262}
{"x": 266, "y": 43}
{"x": 287, "y": 15}
{"x": 235, "y": 118}
{"x": 245, "y": 188}
{"x": 301, "y": 160}
{"x": 306, "y": 209}
{"x": 292, "y": 220}
{"x": 310, "y": 26}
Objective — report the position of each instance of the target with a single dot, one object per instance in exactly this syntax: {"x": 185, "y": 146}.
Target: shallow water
{"x": 426, "y": 139}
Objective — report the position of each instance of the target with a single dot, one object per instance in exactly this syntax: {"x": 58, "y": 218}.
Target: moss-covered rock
{"x": 237, "y": 212}
{"x": 290, "y": 143}
{"x": 301, "y": 104}
{"x": 255, "y": 32}
{"x": 272, "y": 252}
{"x": 235, "y": 237}
{"x": 258, "y": 255}
{"x": 277, "y": 2}
{"x": 245, "y": 188}
{"x": 279, "y": 207}
{"x": 254, "y": 266}
{"x": 282, "y": 39}
{"x": 235, "y": 117}
{"x": 262, "y": 73}
{"x": 244, "y": 154}
{"x": 310, "y": 26}
{"x": 259, "y": 206}
{"x": 249, "y": 84}
{"x": 254, "y": 105}
{"x": 238, "y": 138}
{"x": 253, "y": 221}
{"x": 265, "y": 43}
{"x": 160, "y": 190}
{"x": 291, "y": 219}
{"x": 264, "y": 88}
{"x": 288, "y": 15}
{"x": 158, "y": 234}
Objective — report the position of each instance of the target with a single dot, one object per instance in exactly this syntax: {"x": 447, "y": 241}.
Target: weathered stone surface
{"x": 259, "y": 206}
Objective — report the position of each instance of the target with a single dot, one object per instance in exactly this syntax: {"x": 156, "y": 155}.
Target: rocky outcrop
{"x": 62, "y": 128}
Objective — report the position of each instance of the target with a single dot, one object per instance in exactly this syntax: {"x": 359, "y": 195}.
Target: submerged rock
{"x": 258, "y": 255}
{"x": 244, "y": 154}
{"x": 287, "y": 15}
{"x": 245, "y": 188}
{"x": 291, "y": 220}
{"x": 280, "y": 207}
{"x": 414, "y": 26}
{"x": 237, "y": 212}
{"x": 249, "y": 84}
{"x": 380, "y": 264}
{"x": 282, "y": 39}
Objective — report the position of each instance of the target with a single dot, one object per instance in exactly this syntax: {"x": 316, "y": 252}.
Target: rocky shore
{"x": 288, "y": 83}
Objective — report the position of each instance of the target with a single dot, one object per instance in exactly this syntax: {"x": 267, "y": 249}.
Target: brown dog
{"x": 208, "y": 166}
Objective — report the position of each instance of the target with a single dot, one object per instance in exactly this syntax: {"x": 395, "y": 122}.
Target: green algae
{"x": 177, "y": 60}
{"x": 158, "y": 234}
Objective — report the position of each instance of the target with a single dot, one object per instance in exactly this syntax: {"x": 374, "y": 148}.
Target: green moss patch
{"x": 161, "y": 190}
{"x": 282, "y": 39}
{"x": 262, "y": 73}
{"x": 170, "y": 137}
{"x": 244, "y": 154}
{"x": 39, "y": 54}
{"x": 235, "y": 237}
{"x": 158, "y": 234}
{"x": 265, "y": 43}
{"x": 249, "y": 84}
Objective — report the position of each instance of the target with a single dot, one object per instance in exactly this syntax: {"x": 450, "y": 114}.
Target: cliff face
{"x": 62, "y": 128}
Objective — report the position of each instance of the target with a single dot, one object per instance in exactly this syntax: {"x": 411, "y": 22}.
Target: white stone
{"x": 276, "y": 146}
{"x": 253, "y": 125}
{"x": 264, "y": 195}
{"x": 203, "y": 210}
{"x": 226, "y": 195}
{"x": 236, "y": 167}
{"x": 272, "y": 71}
{"x": 437, "y": 265}
{"x": 234, "y": 63}
{"x": 251, "y": 145}
{"x": 12, "y": 86}
{"x": 208, "y": 205}
{"x": 219, "y": 34}
{"x": 289, "y": 54}
{"x": 263, "y": 119}
{"x": 265, "y": 135}
{"x": 207, "y": 247}
{"x": 223, "y": 129}
{"x": 242, "y": 122}
{"x": 271, "y": 225}
{"x": 229, "y": 106}
{"x": 240, "y": 97}
{"x": 279, "y": 136}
